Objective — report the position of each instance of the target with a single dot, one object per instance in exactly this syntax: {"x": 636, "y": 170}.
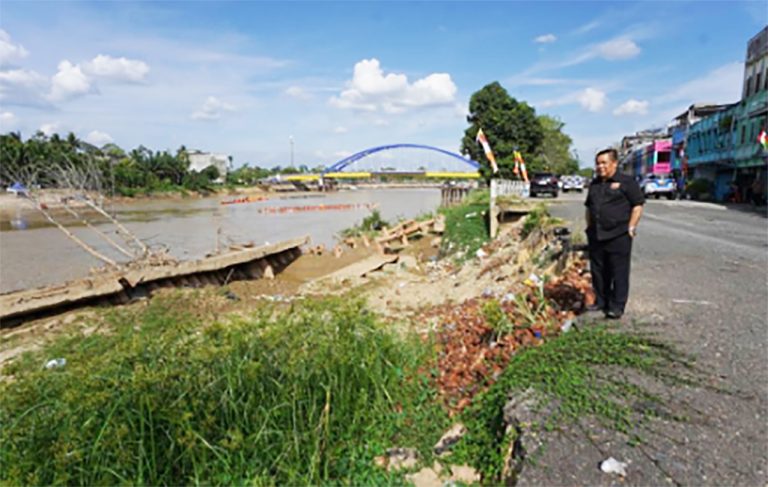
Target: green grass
{"x": 578, "y": 373}
{"x": 370, "y": 225}
{"x": 536, "y": 218}
{"x": 307, "y": 395}
{"x": 466, "y": 229}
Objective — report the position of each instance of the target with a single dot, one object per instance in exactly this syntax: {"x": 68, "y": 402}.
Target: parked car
{"x": 573, "y": 182}
{"x": 657, "y": 185}
{"x": 544, "y": 182}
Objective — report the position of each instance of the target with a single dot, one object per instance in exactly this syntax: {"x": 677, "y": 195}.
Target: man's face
{"x": 605, "y": 166}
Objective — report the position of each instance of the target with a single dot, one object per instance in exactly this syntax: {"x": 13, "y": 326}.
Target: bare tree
{"x": 82, "y": 183}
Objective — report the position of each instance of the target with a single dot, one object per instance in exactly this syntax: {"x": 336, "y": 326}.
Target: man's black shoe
{"x": 613, "y": 315}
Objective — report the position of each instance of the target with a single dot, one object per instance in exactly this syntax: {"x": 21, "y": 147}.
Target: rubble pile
{"x": 474, "y": 347}
{"x": 573, "y": 290}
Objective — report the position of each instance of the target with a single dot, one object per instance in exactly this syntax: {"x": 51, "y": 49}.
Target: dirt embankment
{"x": 402, "y": 290}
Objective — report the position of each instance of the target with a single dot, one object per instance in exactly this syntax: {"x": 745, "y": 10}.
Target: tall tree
{"x": 555, "y": 154}
{"x": 508, "y": 124}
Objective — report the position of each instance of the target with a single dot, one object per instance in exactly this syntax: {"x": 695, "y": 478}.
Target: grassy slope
{"x": 304, "y": 396}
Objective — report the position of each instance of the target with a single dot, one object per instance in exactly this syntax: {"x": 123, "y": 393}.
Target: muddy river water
{"x": 36, "y": 255}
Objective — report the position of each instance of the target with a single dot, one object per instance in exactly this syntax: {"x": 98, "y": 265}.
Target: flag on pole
{"x": 516, "y": 169}
{"x": 521, "y": 163}
{"x": 482, "y": 140}
{"x": 763, "y": 139}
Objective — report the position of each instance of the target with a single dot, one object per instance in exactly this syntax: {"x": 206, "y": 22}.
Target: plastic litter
{"x": 480, "y": 253}
{"x": 611, "y": 465}
{"x": 56, "y": 363}
{"x": 567, "y": 325}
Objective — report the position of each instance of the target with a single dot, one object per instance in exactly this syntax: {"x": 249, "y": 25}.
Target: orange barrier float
{"x": 336, "y": 207}
{"x": 245, "y": 199}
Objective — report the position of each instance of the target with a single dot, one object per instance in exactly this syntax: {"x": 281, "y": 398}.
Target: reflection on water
{"x": 18, "y": 223}
{"x": 33, "y": 253}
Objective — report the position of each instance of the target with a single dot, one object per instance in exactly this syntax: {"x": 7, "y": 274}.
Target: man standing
{"x": 614, "y": 206}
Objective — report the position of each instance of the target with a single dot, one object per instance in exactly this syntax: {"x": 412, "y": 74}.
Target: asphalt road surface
{"x": 700, "y": 281}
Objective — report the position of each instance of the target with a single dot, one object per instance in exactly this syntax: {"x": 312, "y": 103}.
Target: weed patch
{"x": 465, "y": 226}
{"x": 579, "y": 373}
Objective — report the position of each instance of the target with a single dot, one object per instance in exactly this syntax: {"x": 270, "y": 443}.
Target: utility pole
{"x": 290, "y": 139}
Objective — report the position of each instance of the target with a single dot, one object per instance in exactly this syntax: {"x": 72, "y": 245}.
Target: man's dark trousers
{"x": 609, "y": 265}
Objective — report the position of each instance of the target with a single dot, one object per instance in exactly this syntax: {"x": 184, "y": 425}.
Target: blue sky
{"x": 241, "y": 77}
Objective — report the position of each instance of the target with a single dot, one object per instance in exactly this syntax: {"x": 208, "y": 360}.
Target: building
{"x": 199, "y": 161}
{"x": 678, "y": 130}
{"x": 723, "y": 147}
{"x": 632, "y": 150}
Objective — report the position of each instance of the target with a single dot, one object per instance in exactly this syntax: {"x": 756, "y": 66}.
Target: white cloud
{"x": 7, "y": 121}
{"x": 342, "y": 154}
{"x": 592, "y": 99}
{"x": 545, "y": 39}
{"x": 69, "y": 82}
{"x": 10, "y": 52}
{"x": 721, "y": 85}
{"x": 632, "y": 107}
{"x": 118, "y": 69}
{"x": 590, "y": 26}
{"x": 99, "y": 139}
{"x": 22, "y": 87}
{"x": 297, "y": 92}
{"x": 49, "y": 128}
{"x": 212, "y": 109}
{"x": 371, "y": 90}
{"x": 618, "y": 49}
{"x": 340, "y": 130}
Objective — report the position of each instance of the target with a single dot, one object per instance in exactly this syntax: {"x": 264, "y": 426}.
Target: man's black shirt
{"x": 610, "y": 204}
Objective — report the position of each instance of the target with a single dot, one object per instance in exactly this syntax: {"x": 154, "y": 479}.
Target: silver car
{"x": 574, "y": 182}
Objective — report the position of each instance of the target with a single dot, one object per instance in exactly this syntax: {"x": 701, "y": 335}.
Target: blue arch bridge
{"x": 416, "y": 160}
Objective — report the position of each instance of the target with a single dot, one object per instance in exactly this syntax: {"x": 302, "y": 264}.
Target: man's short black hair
{"x": 612, "y": 153}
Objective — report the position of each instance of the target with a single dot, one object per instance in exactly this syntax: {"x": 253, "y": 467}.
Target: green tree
{"x": 555, "y": 154}
{"x": 508, "y": 124}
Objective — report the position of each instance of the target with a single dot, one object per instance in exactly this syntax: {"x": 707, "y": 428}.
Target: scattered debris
{"x": 398, "y": 459}
{"x": 567, "y": 325}
{"x": 449, "y": 438}
{"x": 56, "y": 363}
{"x": 611, "y": 465}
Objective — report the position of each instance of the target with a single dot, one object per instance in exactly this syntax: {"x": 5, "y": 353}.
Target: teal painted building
{"x": 723, "y": 147}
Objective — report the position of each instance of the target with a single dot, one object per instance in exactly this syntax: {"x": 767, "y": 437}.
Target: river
{"x": 43, "y": 255}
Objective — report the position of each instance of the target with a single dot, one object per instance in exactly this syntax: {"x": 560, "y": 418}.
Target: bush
{"x": 299, "y": 397}
{"x": 699, "y": 187}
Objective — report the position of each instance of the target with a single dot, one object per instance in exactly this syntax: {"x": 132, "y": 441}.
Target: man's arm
{"x": 634, "y": 219}
{"x": 588, "y": 218}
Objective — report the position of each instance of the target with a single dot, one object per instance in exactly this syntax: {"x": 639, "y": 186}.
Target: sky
{"x": 250, "y": 78}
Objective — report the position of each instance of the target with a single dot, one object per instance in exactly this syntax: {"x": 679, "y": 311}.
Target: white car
{"x": 658, "y": 185}
{"x": 574, "y": 182}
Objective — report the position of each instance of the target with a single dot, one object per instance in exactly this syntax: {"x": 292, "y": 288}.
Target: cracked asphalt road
{"x": 700, "y": 281}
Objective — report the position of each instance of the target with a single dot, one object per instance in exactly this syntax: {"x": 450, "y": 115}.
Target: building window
{"x": 765, "y": 79}
{"x": 757, "y": 82}
{"x": 743, "y": 134}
